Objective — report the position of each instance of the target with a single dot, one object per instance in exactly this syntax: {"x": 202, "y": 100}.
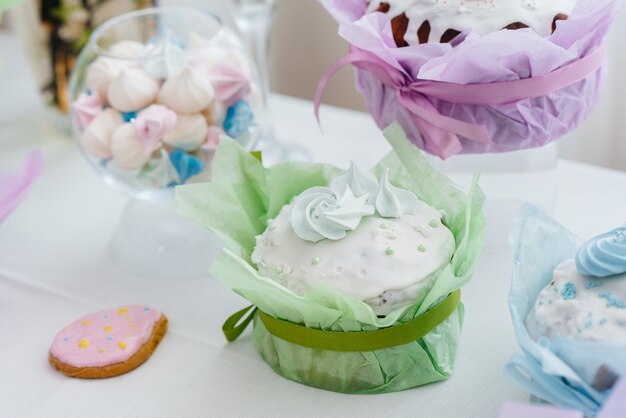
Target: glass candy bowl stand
{"x": 153, "y": 93}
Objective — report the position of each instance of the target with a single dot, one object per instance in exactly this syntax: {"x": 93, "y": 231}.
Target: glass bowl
{"x": 154, "y": 91}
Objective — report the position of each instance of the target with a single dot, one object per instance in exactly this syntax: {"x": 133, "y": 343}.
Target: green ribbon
{"x": 378, "y": 339}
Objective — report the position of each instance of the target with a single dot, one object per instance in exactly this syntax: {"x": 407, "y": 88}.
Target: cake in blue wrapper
{"x": 568, "y": 307}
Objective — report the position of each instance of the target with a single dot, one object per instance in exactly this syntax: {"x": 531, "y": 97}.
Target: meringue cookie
{"x": 126, "y": 49}
{"x": 100, "y": 73}
{"x": 132, "y": 90}
{"x": 230, "y": 83}
{"x": 393, "y": 202}
{"x": 96, "y": 138}
{"x": 163, "y": 59}
{"x": 127, "y": 148}
{"x": 159, "y": 171}
{"x": 239, "y": 119}
{"x": 213, "y": 137}
{"x": 86, "y": 108}
{"x": 153, "y": 123}
{"x": 187, "y": 92}
{"x": 189, "y": 133}
{"x": 215, "y": 113}
{"x": 361, "y": 182}
{"x": 186, "y": 165}
{"x": 321, "y": 213}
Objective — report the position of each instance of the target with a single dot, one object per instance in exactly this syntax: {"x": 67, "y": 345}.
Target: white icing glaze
{"x": 586, "y": 316}
{"x": 189, "y": 133}
{"x": 187, "y": 92}
{"x": 382, "y": 258}
{"x": 132, "y": 90}
{"x": 96, "y": 138}
{"x": 481, "y": 16}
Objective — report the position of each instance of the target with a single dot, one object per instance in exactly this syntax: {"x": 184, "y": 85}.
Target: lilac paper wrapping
{"x": 498, "y": 56}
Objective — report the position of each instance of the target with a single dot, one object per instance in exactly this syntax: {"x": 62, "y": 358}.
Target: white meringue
{"x": 96, "y": 138}
{"x": 189, "y": 133}
{"x": 187, "y": 92}
{"x": 159, "y": 171}
{"x": 164, "y": 59}
{"x": 132, "y": 90}
{"x": 215, "y": 113}
{"x": 128, "y": 149}
{"x": 126, "y": 49}
{"x": 100, "y": 73}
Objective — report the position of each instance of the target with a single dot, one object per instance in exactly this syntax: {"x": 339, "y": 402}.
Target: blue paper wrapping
{"x": 560, "y": 371}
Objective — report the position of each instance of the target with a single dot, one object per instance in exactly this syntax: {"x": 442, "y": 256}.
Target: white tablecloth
{"x": 55, "y": 267}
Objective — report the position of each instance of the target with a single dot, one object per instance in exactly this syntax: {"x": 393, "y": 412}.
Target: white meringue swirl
{"x": 187, "y": 92}
{"x": 132, "y": 90}
{"x": 323, "y": 213}
{"x": 393, "y": 202}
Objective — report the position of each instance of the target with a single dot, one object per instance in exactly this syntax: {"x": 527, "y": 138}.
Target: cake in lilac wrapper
{"x": 569, "y": 322}
{"x": 483, "y": 58}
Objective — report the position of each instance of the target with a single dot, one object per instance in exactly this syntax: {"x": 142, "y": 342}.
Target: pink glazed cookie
{"x": 108, "y": 343}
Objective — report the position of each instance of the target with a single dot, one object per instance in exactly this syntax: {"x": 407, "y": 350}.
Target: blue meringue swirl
{"x": 604, "y": 255}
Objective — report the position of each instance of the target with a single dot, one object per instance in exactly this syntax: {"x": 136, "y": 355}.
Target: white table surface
{"x": 54, "y": 267}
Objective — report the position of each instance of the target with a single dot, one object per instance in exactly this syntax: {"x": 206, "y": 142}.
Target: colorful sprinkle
{"x": 108, "y": 328}
{"x": 101, "y": 350}
{"x": 421, "y": 248}
{"x": 121, "y": 345}
{"x": 85, "y": 323}
{"x": 315, "y": 261}
{"x": 611, "y": 301}
{"x": 389, "y": 251}
{"x": 109, "y": 338}
{"x": 569, "y": 291}
{"x": 132, "y": 325}
{"x": 146, "y": 309}
{"x": 122, "y": 311}
{"x": 83, "y": 343}
{"x": 66, "y": 339}
{"x": 590, "y": 284}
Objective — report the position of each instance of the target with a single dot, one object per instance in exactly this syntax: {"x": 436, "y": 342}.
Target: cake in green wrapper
{"x": 354, "y": 276}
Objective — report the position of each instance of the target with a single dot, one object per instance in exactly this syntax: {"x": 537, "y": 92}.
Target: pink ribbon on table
{"x": 441, "y": 133}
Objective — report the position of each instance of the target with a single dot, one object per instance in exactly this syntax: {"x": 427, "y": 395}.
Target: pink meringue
{"x": 86, "y": 108}
{"x": 96, "y": 138}
{"x": 128, "y": 149}
{"x": 189, "y": 133}
{"x": 132, "y": 90}
{"x": 230, "y": 83}
{"x": 187, "y": 92}
{"x": 153, "y": 123}
{"x": 213, "y": 138}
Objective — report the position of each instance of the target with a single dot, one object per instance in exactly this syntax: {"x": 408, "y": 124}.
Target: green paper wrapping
{"x": 236, "y": 205}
